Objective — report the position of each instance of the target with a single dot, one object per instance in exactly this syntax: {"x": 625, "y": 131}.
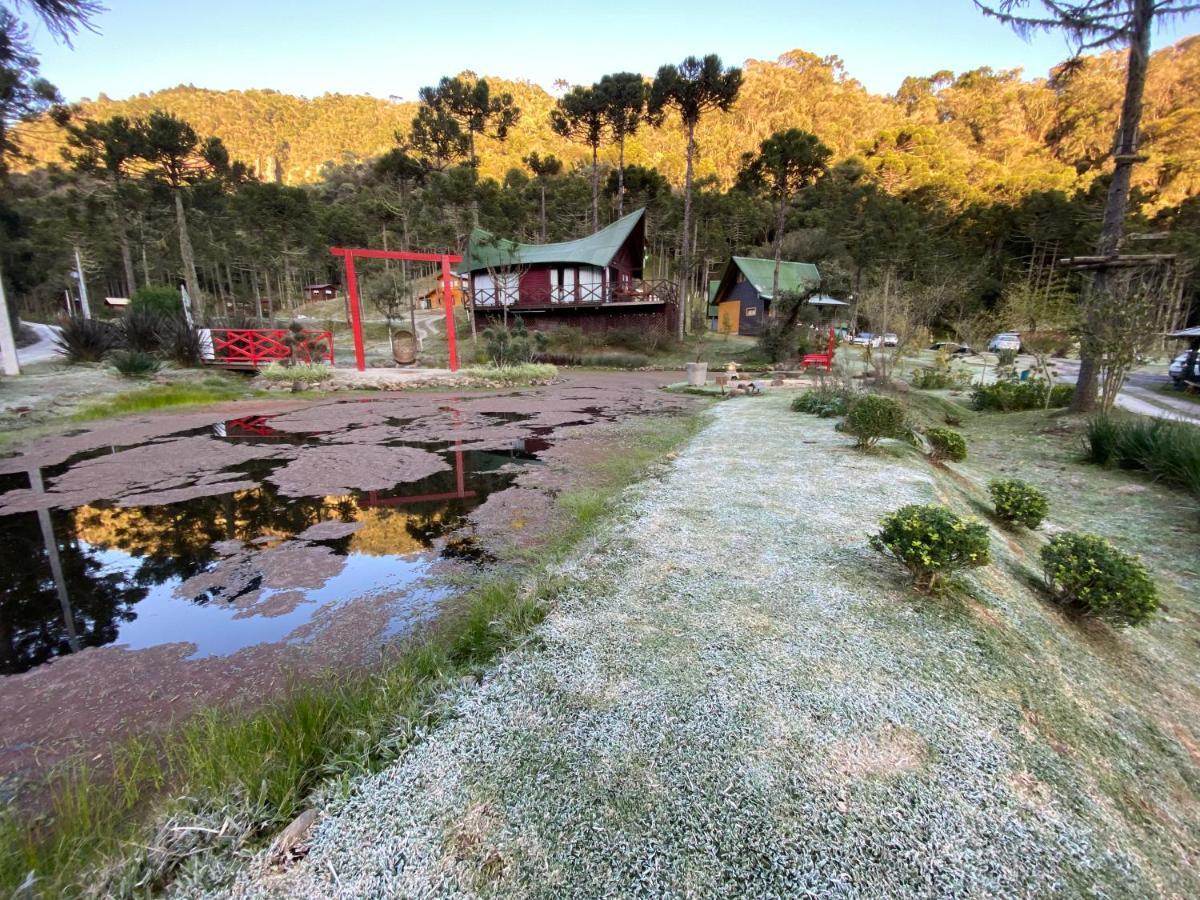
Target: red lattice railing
{"x": 252, "y": 347}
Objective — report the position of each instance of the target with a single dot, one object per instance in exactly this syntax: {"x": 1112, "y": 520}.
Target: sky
{"x": 392, "y": 48}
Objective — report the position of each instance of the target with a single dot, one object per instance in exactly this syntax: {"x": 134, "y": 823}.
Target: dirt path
{"x": 734, "y": 697}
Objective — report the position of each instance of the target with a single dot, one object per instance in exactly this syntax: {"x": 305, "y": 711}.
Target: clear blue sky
{"x": 392, "y": 48}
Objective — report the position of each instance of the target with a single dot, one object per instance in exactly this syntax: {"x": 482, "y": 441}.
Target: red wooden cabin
{"x": 593, "y": 283}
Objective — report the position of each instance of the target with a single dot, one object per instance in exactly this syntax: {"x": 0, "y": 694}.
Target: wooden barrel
{"x": 404, "y": 347}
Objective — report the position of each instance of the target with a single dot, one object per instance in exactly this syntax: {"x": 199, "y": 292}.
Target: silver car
{"x": 1008, "y": 340}
{"x": 1179, "y": 363}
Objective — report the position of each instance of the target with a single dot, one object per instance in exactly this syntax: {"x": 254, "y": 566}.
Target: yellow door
{"x": 728, "y": 314}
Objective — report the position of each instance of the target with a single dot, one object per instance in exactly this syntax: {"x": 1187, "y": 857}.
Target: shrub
{"x": 1168, "y": 451}
{"x": 946, "y": 444}
{"x": 616, "y": 360}
{"x": 526, "y": 373}
{"x": 180, "y": 342}
{"x": 1088, "y": 574}
{"x": 1018, "y": 502}
{"x": 302, "y": 373}
{"x": 1006, "y": 358}
{"x": 822, "y": 401}
{"x": 88, "y": 340}
{"x": 637, "y": 340}
{"x": 871, "y": 417}
{"x": 513, "y": 345}
{"x": 939, "y": 379}
{"x": 1012, "y": 396}
{"x": 141, "y": 328}
{"x": 163, "y": 301}
{"x": 134, "y": 363}
{"x": 932, "y": 542}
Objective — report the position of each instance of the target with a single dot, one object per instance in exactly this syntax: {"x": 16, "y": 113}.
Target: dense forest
{"x": 954, "y": 195}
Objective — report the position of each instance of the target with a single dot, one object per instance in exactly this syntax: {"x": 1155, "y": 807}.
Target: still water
{"x": 227, "y": 571}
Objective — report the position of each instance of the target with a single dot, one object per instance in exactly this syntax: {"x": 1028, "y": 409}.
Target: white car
{"x": 1009, "y": 340}
{"x": 890, "y": 340}
{"x": 866, "y": 339}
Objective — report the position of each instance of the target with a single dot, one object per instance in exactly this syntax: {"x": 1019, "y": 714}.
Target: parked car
{"x": 1008, "y": 340}
{"x": 953, "y": 348}
{"x": 1177, "y": 368}
{"x": 866, "y": 339}
{"x": 890, "y": 340}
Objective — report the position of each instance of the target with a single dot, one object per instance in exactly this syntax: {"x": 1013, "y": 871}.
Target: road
{"x": 44, "y": 349}
{"x": 1142, "y": 395}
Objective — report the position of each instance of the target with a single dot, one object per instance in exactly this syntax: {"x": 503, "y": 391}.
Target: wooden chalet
{"x": 593, "y": 283}
{"x": 742, "y": 296}
{"x": 320, "y": 291}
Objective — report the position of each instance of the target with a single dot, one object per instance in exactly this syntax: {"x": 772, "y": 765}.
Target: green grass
{"x": 211, "y": 390}
{"x": 226, "y": 781}
{"x": 527, "y": 373}
{"x": 1171, "y": 391}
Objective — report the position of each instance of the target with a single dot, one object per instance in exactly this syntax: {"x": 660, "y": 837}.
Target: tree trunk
{"x": 188, "y": 257}
{"x": 1117, "y": 204}
{"x": 685, "y": 251}
{"x": 126, "y": 258}
{"x": 621, "y": 177}
{"x": 258, "y": 307}
{"x": 778, "y": 248}
{"x": 543, "y": 211}
{"x": 595, "y": 187}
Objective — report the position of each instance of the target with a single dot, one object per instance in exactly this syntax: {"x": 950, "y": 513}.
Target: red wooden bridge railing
{"x": 252, "y": 347}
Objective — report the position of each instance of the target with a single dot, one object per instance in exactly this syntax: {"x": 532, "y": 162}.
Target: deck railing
{"x": 634, "y": 291}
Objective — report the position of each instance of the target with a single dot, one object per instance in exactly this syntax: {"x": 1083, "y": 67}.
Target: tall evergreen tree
{"x": 624, "y": 97}
{"x": 580, "y": 116}
{"x": 1091, "y": 25}
{"x": 543, "y": 168}
{"x": 785, "y": 163}
{"x": 692, "y": 88}
{"x": 469, "y": 102}
{"x": 177, "y": 159}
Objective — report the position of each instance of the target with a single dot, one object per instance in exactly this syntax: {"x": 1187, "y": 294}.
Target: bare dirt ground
{"x": 83, "y": 700}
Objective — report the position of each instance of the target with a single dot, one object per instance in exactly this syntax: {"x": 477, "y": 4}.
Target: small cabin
{"x": 320, "y": 291}
{"x": 593, "y": 283}
{"x": 435, "y": 299}
{"x": 742, "y": 296}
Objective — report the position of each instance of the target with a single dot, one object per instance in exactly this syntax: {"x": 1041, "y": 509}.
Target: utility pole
{"x": 8, "y": 344}
{"x": 83, "y": 297}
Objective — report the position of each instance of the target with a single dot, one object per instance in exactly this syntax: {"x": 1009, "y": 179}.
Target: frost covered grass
{"x": 301, "y": 373}
{"x": 731, "y": 696}
{"x": 526, "y": 373}
{"x": 180, "y": 810}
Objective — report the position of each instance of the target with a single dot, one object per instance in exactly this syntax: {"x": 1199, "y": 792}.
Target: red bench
{"x": 820, "y": 360}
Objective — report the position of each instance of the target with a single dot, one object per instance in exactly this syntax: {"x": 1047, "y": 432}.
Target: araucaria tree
{"x": 470, "y": 104}
{"x": 543, "y": 168}
{"x": 580, "y": 116}
{"x": 692, "y": 88}
{"x": 108, "y": 150}
{"x": 624, "y": 100}
{"x": 24, "y": 95}
{"x": 176, "y": 158}
{"x": 1092, "y": 25}
{"x": 786, "y": 162}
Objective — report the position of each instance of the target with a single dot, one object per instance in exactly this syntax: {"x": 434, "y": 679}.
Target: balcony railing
{"x": 634, "y": 291}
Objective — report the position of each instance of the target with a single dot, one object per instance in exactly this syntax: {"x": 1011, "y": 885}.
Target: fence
{"x": 249, "y": 348}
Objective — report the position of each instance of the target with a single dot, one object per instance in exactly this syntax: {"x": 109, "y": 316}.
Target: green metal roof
{"x": 794, "y": 277}
{"x": 713, "y": 287}
{"x": 485, "y": 250}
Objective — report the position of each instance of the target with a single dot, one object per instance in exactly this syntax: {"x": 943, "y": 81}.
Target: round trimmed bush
{"x": 1018, "y": 502}
{"x": 871, "y": 417}
{"x": 1088, "y": 574}
{"x": 134, "y": 363}
{"x": 946, "y": 444}
{"x": 932, "y": 542}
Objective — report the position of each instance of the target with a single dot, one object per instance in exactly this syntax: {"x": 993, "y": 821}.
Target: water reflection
{"x": 99, "y": 573}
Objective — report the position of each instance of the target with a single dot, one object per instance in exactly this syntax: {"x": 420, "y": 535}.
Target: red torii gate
{"x": 445, "y": 259}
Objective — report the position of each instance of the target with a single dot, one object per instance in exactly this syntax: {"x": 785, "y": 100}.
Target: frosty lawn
{"x": 734, "y": 695}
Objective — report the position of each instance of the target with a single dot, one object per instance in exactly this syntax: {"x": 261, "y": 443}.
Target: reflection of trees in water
{"x": 33, "y": 629}
{"x": 175, "y": 541}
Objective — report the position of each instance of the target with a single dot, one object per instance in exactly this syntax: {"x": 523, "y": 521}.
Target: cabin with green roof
{"x": 593, "y": 283}
{"x": 743, "y": 294}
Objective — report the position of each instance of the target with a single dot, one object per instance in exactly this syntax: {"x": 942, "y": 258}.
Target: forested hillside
{"x": 968, "y": 135}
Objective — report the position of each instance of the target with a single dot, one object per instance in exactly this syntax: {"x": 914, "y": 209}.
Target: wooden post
{"x": 83, "y": 297}
{"x": 8, "y": 343}
{"x": 448, "y": 302}
{"x": 360, "y": 357}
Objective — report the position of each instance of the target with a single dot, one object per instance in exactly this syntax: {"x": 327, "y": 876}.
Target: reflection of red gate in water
{"x": 373, "y": 499}
{"x": 251, "y": 347}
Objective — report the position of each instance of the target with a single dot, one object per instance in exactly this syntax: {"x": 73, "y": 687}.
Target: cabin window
{"x": 750, "y": 311}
